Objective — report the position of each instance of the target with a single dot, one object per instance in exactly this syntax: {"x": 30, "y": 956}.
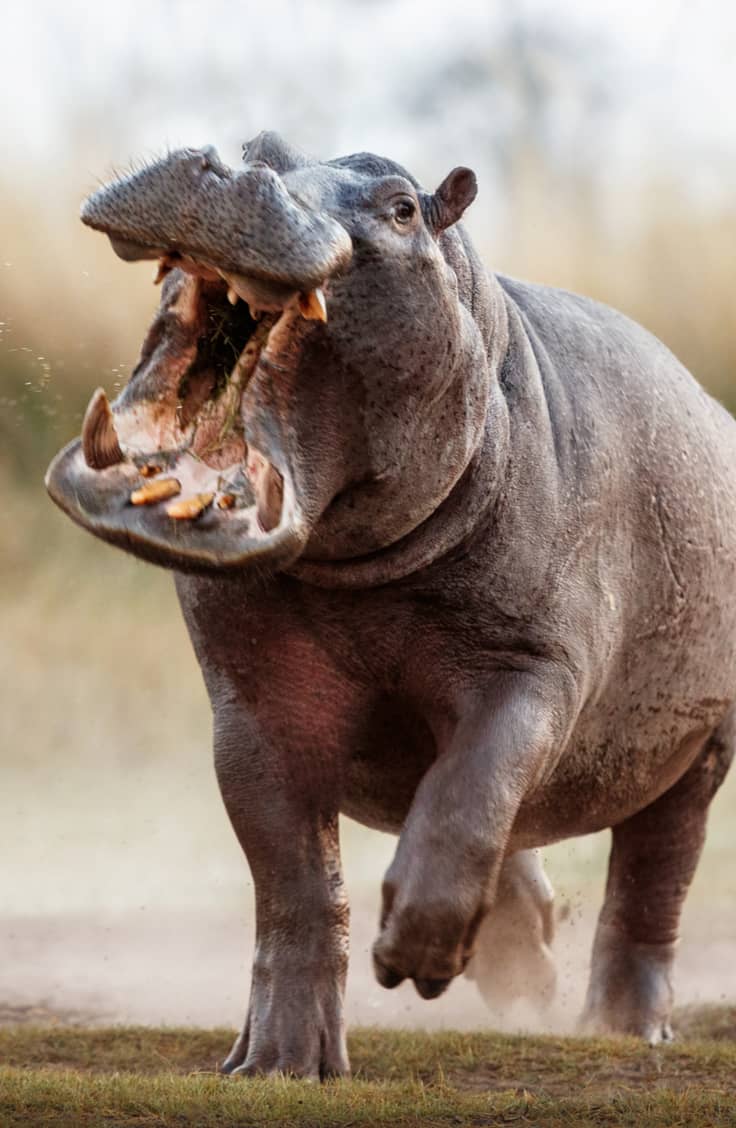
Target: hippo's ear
{"x": 456, "y": 192}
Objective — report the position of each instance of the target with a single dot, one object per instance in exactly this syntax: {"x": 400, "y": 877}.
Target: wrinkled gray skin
{"x": 496, "y": 609}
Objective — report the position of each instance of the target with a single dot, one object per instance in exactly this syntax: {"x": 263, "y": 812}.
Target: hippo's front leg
{"x": 284, "y": 812}
{"x": 442, "y": 879}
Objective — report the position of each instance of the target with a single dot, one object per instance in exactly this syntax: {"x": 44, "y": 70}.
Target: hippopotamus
{"x": 457, "y": 556}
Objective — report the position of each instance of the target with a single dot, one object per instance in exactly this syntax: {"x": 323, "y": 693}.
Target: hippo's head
{"x": 314, "y": 382}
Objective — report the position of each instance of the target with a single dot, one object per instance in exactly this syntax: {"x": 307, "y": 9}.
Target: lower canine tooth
{"x": 190, "y": 507}
{"x": 100, "y": 444}
{"x": 159, "y": 490}
{"x": 313, "y": 305}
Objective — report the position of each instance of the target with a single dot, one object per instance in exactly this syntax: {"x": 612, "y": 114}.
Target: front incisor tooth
{"x": 161, "y": 489}
{"x": 190, "y": 507}
{"x": 313, "y": 305}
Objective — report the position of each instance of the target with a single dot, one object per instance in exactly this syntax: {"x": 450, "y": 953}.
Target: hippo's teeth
{"x": 100, "y": 444}
{"x": 190, "y": 507}
{"x": 226, "y": 501}
{"x": 160, "y": 489}
{"x": 232, "y": 296}
{"x": 162, "y": 269}
{"x": 149, "y": 470}
{"x": 313, "y": 305}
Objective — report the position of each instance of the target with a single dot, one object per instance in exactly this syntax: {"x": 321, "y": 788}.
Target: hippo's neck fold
{"x": 472, "y": 494}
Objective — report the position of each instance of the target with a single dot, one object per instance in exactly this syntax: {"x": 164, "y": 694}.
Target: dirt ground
{"x": 191, "y": 968}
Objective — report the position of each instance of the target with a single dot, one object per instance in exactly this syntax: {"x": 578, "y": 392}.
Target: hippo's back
{"x": 600, "y": 355}
{"x": 629, "y": 425}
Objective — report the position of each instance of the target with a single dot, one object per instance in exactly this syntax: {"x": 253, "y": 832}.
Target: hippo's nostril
{"x": 210, "y": 161}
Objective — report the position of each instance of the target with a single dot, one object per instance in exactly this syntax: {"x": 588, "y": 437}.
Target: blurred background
{"x": 604, "y": 138}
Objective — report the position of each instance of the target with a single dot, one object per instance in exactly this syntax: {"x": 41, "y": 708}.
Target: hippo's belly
{"x": 641, "y": 732}
{"x": 390, "y": 754}
{"x": 606, "y": 774}
{"x": 599, "y": 785}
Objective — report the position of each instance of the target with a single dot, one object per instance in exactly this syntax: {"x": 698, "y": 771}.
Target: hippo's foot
{"x": 294, "y": 1027}
{"x": 630, "y": 990}
{"x": 452, "y": 850}
{"x": 424, "y": 938}
{"x": 512, "y": 957}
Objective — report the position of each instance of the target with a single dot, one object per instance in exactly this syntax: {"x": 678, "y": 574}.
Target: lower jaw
{"x": 212, "y": 538}
{"x": 196, "y": 495}
{"x": 194, "y": 499}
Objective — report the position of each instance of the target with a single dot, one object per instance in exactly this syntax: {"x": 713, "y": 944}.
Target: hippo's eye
{"x": 403, "y": 211}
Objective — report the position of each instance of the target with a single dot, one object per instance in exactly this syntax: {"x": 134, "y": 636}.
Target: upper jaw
{"x": 262, "y": 294}
{"x": 244, "y": 222}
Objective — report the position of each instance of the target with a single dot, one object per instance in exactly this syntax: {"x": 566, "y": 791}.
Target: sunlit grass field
{"x": 154, "y": 1077}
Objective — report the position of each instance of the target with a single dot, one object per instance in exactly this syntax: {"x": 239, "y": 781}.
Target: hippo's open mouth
{"x": 195, "y": 465}
{"x": 169, "y": 470}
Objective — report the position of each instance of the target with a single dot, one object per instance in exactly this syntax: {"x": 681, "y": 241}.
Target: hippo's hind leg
{"x": 652, "y": 863}
{"x": 512, "y": 958}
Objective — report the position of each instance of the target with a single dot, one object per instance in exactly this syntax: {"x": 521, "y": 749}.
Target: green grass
{"x": 70, "y": 1076}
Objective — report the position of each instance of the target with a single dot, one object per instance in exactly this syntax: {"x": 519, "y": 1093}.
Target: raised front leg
{"x": 284, "y": 811}
{"x": 443, "y": 878}
{"x": 652, "y": 863}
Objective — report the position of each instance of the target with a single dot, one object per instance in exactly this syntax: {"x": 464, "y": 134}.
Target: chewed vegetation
{"x": 126, "y": 1076}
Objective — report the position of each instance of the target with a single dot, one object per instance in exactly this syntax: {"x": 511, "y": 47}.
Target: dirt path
{"x": 192, "y": 969}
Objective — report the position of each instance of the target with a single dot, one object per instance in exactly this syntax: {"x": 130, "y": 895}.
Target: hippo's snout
{"x": 189, "y": 208}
